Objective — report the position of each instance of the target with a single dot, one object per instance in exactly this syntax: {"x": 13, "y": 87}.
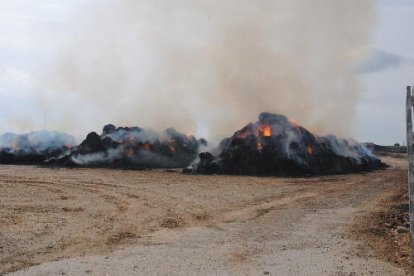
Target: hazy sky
{"x": 381, "y": 115}
{"x": 31, "y": 32}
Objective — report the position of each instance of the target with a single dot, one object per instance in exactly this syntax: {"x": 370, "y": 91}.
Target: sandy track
{"x": 157, "y": 222}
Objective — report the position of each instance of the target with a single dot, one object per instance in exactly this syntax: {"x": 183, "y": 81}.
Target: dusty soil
{"x": 116, "y": 222}
{"x": 387, "y": 235}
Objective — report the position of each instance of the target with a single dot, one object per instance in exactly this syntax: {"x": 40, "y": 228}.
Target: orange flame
{"x": 309, "y": 149}
{"x": 147, "y": 146}
{"x": 266, "y": 130}
{"x": 172, "y": 149}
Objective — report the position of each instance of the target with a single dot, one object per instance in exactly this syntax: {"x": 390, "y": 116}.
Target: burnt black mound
{"x": 274, "y": 146}
{"x": 33, "y": 148}
{"x": 132, "y": 148}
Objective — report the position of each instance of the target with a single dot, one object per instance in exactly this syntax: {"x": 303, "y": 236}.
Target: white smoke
{"x": 36, "y": 142}
{"x": 208, "y": 66}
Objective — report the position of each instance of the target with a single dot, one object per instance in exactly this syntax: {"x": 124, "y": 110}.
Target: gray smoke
{"x": 37, "y": 142}
{"x": 208, "y": 67}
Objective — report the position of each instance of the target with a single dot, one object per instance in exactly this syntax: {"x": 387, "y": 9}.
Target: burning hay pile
{"x": 275, "y": 146}
{"x": 271, "y": 146}
{"x": 133, "y": 147}
{"x": 33, "y": 148}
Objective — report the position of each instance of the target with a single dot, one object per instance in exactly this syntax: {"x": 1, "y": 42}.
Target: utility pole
{"x": 409, "y": 113}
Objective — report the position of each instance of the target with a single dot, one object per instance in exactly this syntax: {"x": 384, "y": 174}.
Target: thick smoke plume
{"x": 208, "y": 66}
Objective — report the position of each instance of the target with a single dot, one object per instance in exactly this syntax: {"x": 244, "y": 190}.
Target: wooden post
{"x": 409, "y": 113}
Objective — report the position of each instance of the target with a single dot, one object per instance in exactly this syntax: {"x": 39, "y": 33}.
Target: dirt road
{"x": 114, "y": 222}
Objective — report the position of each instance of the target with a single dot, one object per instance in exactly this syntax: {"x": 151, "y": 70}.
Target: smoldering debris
{"x": 276, "y": 146}
{"x": 133, "y": 147}
{"x": 34, "y": 147}
{"x": 273, "y": 145}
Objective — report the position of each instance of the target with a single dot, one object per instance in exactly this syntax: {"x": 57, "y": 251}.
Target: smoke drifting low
{"x": 209, "y": 66}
